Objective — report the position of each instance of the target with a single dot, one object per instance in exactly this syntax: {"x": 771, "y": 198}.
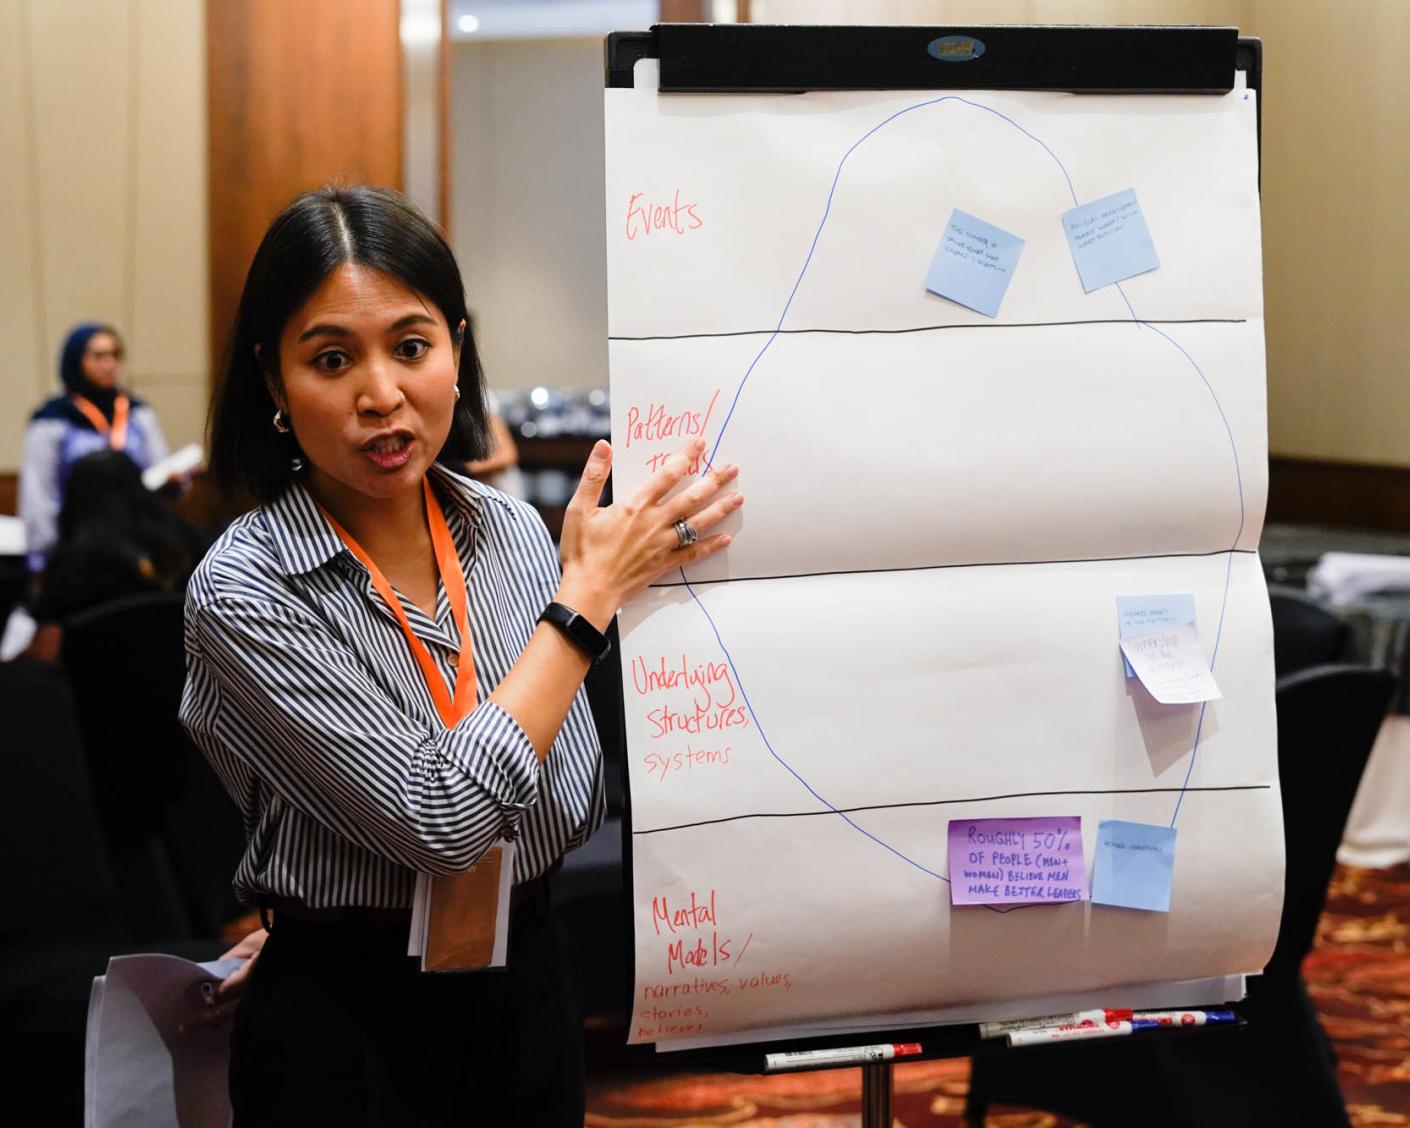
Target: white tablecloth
{"x": 1378, "y": 829}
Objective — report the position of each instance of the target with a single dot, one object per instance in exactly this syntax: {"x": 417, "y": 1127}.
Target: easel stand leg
{"x": 876, "y": 1095}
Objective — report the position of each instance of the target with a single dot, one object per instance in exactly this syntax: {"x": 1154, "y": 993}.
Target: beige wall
{"x": 526, "y": 134}
{"x": 103, "y": 198}
{"x": 1336, "y": 227}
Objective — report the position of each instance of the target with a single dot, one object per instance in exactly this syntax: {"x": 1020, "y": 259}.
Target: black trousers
{"x": 340, "y": 1027}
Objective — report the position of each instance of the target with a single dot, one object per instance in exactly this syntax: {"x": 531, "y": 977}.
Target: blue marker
{"x": 1152, "y": 1020}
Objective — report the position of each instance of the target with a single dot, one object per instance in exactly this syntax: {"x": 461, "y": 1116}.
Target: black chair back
{"x": 52, "y": 860}
{"x": 126, "y": 661}
{"x": 1328, "y": 718}
{"x": 1305, "y": 634}
{"x": 174, "y": 834}
{"x": 63, "y": 914}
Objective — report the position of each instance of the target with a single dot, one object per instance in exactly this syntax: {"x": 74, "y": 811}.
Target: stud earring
{"x": 279, "y": 424}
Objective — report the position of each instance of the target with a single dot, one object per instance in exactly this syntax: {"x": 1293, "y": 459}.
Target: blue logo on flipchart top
{"x": 956, "y": 48}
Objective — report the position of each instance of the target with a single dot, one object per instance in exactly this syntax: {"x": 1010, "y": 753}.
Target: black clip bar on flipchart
{"x": 759, "y": 58}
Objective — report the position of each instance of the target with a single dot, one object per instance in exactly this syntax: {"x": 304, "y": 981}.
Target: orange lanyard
{"x": 451, "y": 708}
{"x": 117, "y": 432}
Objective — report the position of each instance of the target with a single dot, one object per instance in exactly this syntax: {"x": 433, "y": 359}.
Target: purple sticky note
{"x": 1017, "y": 861}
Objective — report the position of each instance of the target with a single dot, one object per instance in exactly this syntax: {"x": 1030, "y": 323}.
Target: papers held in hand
{"x": 174, "y": 465}
{"x": 460, "y": 922}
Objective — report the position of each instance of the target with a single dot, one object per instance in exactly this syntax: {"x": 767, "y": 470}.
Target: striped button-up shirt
{"x": 304, "y": 695}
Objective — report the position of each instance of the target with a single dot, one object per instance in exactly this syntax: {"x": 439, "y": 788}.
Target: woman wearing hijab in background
{"x": 94, "y": 413}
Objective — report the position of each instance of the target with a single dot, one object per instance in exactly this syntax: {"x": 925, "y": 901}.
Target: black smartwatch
{"x": 580, "y": 632}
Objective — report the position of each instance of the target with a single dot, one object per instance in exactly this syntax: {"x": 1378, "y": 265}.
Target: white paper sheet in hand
{"x": 142, "y": 1069}
{"x": 11, "y": 536}
{"x": 179, "y": 462}
{"x": 1171, "y": 665}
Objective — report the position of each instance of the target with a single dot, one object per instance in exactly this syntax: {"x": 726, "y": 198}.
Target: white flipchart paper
{"x": 914, "y": 622}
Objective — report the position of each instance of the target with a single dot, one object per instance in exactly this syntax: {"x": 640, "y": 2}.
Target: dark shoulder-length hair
{"x": 319, "y": 232}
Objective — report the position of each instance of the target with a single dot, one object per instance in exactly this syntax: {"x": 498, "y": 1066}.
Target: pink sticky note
{"x": 1017, "y": 861}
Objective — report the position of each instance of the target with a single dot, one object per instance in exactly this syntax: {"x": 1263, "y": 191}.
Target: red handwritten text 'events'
{"x": 647, "y": 218}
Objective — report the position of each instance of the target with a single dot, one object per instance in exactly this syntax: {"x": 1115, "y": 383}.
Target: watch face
{"x": 583, "y": 634}
{"x": 589, "y": 637}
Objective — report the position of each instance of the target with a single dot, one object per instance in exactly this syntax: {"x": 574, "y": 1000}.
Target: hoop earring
{"x": 457, "y": 393}
{"x": 279, "y": 424}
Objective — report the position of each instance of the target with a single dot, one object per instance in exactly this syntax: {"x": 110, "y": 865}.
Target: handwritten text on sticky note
{"x": 1171, "y": 665}
{"x": 974, "y": 263}
{"x": 1133, "y": 865}
{"x": 1016, "y": 861}
{"x": 1137, "y": 614}
{"x": 1109, "y": 240}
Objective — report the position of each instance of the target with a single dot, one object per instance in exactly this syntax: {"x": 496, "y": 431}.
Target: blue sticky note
{"x": 1133, "y": 865}
{"x": 1109, "y": 240}
{"x": 1137, "y": 614}
{"x": 974, "y": 263}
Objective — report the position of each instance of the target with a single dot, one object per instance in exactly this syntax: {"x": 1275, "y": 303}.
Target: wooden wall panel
{"x": 1304, "y": 491}
{"x": 299, "y": 94}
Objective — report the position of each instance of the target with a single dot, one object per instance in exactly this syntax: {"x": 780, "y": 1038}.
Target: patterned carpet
{"x": 1358, "y": 975}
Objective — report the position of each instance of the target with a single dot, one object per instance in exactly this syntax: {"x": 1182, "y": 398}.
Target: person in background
{"x": 93, "y": 413}
{"x": 116, "y": 538}
{"x": 500, "y": 467}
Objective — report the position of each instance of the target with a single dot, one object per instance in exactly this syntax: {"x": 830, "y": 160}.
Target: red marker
{"x": 1113, "y": 1029}
{"x": 1072, "y": 1018}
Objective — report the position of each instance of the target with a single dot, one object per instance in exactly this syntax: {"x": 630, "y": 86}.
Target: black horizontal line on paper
{"x": 951, "y": 802}
{"x": 937, "y": 328}
{"x": 939, "y": 567}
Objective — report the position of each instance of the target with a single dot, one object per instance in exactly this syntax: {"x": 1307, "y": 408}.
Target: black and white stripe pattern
{"x": 305, "y": 698}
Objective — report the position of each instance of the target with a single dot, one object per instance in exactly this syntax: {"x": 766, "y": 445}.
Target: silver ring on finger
{"x": 685, "y": 533}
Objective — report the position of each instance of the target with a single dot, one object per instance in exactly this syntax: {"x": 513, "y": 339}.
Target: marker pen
{"x": 1145, "y": 1020}
{"x": 1073, "y": 1018}
{"x": 843, "y": 1055}
{"x": 1113, "y": 1029}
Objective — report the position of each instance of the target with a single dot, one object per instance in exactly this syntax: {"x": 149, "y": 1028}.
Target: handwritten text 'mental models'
{"x": 703, "y": 962}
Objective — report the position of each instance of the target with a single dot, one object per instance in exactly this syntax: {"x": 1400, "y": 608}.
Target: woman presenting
{"x": 93, "y": 413}
{"x": 385, "y": 668}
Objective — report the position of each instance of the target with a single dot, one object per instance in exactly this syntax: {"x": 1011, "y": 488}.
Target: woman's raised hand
{"x": 611, "y": 553}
